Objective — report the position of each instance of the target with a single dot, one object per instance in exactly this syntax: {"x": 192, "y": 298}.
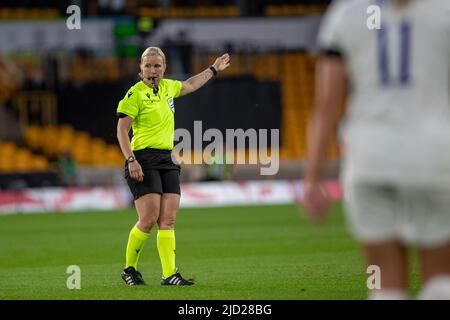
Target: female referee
{"x": 148, "y": 108}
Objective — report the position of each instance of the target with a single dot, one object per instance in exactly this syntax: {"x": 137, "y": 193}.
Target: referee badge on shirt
{"x": 171, "y": 104}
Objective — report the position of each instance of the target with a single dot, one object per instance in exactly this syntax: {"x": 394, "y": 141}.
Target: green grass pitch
{"x": 260, "y": 252}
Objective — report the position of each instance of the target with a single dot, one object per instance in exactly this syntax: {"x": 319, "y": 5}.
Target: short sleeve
{"x": 174, "y": 88}
{"x": 129, "y": 105}
{"x": 331, "y": 28}
{"x": 177, "y": 91}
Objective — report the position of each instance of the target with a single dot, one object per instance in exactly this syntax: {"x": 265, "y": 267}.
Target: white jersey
{"x": 397, "y": 126}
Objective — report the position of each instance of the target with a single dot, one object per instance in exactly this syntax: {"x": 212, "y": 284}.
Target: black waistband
{"x": 151, "y": 150}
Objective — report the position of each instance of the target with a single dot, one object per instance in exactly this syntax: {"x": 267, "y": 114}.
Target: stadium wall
{"x": 206, "y": 194}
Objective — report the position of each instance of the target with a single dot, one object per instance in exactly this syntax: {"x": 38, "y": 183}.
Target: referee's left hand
{"x": 135, "y": 170}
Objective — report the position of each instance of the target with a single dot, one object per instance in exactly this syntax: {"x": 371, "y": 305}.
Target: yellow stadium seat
{"x": 23, "y": 161}
{"x": 7, "y": 148}
{"x": 40, "y": 164}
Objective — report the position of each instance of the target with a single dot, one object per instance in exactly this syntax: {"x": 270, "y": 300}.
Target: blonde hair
{"x": 153, "y": 51}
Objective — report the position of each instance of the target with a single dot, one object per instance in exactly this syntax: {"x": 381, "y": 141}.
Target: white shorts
{"x": 378, "y": 213}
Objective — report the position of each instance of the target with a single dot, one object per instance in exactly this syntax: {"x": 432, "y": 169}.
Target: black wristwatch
{"x": 213, "y": 70}
{"x": 131, "y": 159}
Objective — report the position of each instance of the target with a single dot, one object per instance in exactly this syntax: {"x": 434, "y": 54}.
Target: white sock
{"x": 437, "y": 288}
{"x": 388, "y": 294}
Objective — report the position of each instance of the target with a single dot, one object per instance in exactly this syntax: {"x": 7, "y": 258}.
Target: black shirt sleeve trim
{"x": 121, "y": 115}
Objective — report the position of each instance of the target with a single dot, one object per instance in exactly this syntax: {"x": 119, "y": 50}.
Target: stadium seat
{"x": 40, "y": 163}
{"x": 85, "y": 149}
{"x": 24, "y": 160}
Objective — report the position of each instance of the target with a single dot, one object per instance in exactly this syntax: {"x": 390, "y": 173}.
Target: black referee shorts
{"x": 161, "y": 175}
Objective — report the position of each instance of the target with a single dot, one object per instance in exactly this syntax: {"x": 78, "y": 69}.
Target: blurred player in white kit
{"x": 396, "y": 134}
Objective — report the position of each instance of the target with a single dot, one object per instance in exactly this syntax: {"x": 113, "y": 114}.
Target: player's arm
{"x": 196, "y": 82}
{"x": 123, "y": 129}
{"x": 329, "y": 98}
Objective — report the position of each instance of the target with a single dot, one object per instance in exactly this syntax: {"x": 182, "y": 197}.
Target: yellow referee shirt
{"x": 153, "y": 115}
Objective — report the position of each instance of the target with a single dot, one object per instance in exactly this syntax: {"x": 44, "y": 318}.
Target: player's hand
{"x": 316, "y": 201}
{"x": 222, "y": 62}
{"x": 135, "y": 170}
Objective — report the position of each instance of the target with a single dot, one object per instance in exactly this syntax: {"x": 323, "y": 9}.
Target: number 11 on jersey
{"x": 403, "y": 77}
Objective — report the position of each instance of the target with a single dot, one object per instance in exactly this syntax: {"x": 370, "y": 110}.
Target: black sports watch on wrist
{"x": 131, "y": 159}
{"x": 213, "y": 70}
